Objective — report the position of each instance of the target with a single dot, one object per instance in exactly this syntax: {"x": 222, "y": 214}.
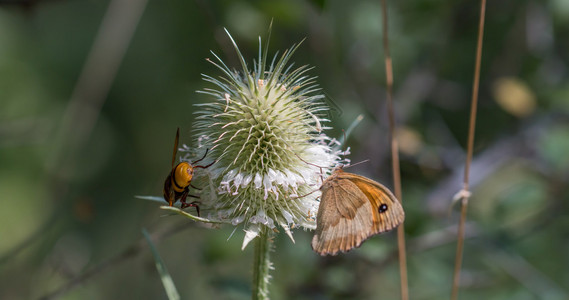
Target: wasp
{"x": 178, "y": 182}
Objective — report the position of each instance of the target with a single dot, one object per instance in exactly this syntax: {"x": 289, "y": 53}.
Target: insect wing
{"x": 352, "y": 209}
{"x": 387, "y": 211}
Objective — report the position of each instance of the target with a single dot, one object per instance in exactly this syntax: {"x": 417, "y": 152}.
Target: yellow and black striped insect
{"x": 178, "y": 182}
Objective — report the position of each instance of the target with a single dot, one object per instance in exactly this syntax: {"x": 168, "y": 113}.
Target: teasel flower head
{"x": 265, "y": 128}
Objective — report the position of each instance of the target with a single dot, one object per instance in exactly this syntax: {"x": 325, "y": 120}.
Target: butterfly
{"x": 352, "y": 209}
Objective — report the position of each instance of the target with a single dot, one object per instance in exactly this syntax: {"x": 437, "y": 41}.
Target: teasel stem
{"x": 464, "y": 194}
{"x": 394, "y": 154}
{"x": 262, "y": 265}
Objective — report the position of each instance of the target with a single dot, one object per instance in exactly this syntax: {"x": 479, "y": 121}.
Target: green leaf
{"x": 161, "y": 267}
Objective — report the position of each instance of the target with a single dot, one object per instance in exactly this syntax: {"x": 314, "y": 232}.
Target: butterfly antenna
{"x": 309, "y": 163}
{"x": 296, "y": 197}
{"x": 360, "y": 162}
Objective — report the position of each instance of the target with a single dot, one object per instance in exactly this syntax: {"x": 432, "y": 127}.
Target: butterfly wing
{"x": 343, "y": 218}
{"x": 387, "y": 211}
{"x": 349, "y": 213}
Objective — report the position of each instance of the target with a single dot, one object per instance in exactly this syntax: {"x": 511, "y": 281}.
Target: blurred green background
{"x": 72, "y": 162}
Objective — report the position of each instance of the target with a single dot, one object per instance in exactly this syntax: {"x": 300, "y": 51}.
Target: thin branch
{"x": 459, "y": 249}
{"x": 425, "y": 242}
{"x": 91, "y": 90}
{"x": 394, "y": 154}
{"x": 129, "y": 253}
{"x": 86, "y": 101}
{"x": 33, "y": 237}
{"x": 465, "y": 193}
{"x": 526, "y": 274}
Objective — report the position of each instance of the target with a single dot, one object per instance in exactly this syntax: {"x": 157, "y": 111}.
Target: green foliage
{"x": 58, "y": 220}
{"x": 167, "y": 281}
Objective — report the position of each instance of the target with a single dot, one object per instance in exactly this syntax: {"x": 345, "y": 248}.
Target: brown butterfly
{"x": 353, "y": 208}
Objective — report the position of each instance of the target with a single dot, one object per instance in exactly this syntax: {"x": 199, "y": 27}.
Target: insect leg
{"x": 206, "y": 150}
{"x": 205, "y": 167}
{"x": 197, "y": 208}
{"x": 193, "y": 204}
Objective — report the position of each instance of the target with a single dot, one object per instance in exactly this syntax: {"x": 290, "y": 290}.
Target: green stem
{"x": 261, "y": 266}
